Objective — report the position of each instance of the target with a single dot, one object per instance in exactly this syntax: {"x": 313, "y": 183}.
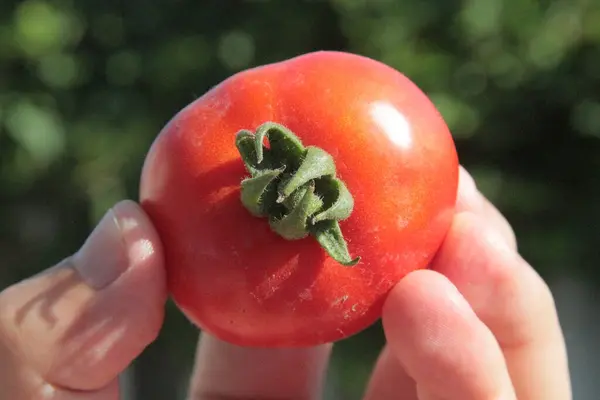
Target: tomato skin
{"x": 235, "y": 278}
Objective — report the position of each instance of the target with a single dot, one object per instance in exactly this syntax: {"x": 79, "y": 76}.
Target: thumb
{"x": 73, "y": 328}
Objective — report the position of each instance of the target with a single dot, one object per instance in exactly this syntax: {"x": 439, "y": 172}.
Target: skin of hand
{"x": 479, "y": 324}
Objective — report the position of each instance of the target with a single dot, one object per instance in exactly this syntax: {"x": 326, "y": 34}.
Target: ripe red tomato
{"x": 233, "y": 273}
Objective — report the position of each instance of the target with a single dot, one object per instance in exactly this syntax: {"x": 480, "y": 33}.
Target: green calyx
{"x": 296, "y": 188}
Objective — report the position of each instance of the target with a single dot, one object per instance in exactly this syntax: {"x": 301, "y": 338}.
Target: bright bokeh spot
{"x": 59, "y": 70}
{"x": 39, "y": 131}
{"x": 41, "y": 28}
{"x": 481, "y": 18}
{"x": 462, "y": 119}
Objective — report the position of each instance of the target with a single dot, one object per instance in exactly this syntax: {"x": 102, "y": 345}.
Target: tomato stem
{"x": 296, "y": 188}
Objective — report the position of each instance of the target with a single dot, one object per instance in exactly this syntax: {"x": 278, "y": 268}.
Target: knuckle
{"x": 525, "y": 306}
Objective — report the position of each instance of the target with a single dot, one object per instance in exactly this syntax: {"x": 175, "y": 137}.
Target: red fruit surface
{"x": 228, "y": 271}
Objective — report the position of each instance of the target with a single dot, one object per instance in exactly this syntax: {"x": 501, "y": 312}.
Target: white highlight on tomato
{"x": 393, "y": 123}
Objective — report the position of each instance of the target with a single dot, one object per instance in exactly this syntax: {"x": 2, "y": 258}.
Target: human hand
{"x": 481, "y": 324}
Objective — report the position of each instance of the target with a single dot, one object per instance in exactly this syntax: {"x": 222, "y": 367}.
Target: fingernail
{"x": 103, "y": 257}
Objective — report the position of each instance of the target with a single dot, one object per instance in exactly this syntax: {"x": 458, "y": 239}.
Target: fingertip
{"x": 134, "y": 223}
{"x": 126, "y": 313}
{"x": 80, "y": 323}
{"x": 439, "y": 340}
{"x": 468, "y": 197}
{"x": 142, "y": 243}
{"x": 422, "y": 298}
{"x": 224, "y": 370}
{"x": 123, "y": 239}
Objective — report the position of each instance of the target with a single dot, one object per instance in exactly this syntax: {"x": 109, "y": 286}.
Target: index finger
{"x": 479, "y": 257}
{"x": 510, "y": 297}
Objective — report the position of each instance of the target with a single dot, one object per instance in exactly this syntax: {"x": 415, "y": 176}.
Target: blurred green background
{"x": 86, "y": 85}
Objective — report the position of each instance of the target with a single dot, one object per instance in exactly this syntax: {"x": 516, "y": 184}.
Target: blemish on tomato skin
{"x": 256, "y": 297}
{"x": 340, "y": 300}
{"x": 402, "y": 222}
{"x": 272, "y": 283}
{"x": 305, "y": 295}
